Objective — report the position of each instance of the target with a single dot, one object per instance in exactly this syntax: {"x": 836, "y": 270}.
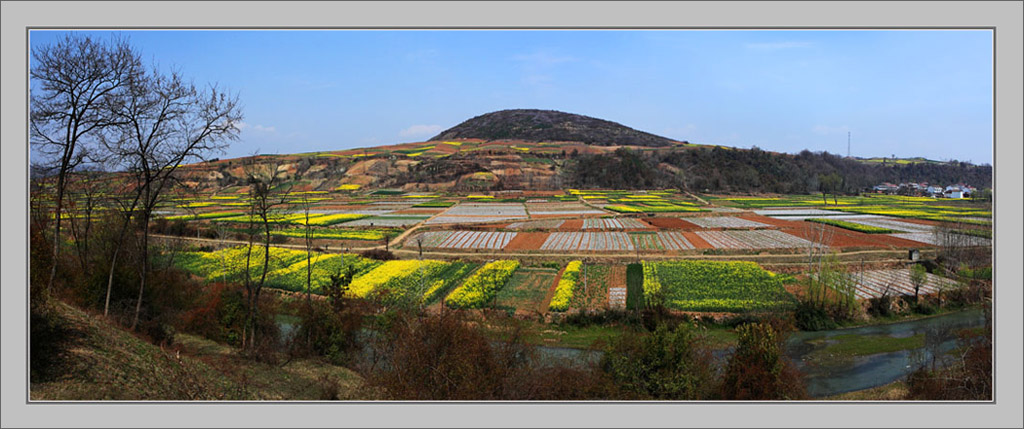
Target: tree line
{"x": 751, "y": 171}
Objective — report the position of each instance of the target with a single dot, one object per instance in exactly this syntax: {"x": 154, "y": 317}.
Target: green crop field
{"x": 713, "y": 286}
{"x": 526, "y": 289}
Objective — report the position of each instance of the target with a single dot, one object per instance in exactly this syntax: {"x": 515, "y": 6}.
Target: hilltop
{"x": 535, "y": 125}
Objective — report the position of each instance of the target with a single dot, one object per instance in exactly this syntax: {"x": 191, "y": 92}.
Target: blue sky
{"x": 903, "y": 93}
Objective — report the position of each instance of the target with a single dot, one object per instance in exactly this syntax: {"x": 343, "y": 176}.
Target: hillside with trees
{"x": 721, "y": 169}
{"x": 552, "y": 126}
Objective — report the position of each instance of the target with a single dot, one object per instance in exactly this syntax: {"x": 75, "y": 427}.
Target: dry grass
{"x": 108, "y": 363}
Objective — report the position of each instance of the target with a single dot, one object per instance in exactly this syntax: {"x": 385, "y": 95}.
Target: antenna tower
{"x": 847, "y": 144}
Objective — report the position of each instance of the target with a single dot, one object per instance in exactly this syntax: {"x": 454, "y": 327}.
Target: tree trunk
{"x": 56, "y": 231}
{"x": 110, "y": 279}
{"x": 145, "y": 268}
{"x": 113, "y": 261}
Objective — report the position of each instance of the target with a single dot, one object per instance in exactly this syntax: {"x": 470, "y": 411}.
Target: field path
{"x": 551, "y": 293}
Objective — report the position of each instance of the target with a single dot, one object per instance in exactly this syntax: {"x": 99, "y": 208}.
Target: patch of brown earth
{"x": 696, "y": 241}
{"x": 527, "y": 241}
{"x": 571, "y": 225}
{"x": 551, "y": 292}
{"x": 839, "y": 237}
{"x": 672, "y": 223}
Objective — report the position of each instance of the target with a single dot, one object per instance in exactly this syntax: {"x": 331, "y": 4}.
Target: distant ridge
{"x": 551, "y": 125}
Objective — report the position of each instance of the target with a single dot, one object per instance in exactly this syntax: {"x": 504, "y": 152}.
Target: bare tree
{"x": 263, "y": 199}
{"x": 162, "y": 122}
{"x": 308, "y": 235}
{"x": 71, "y": 82}
{"x": 918, "y": 278}
{"x": 819, "y": 237}
{"x": 86, "y": 190}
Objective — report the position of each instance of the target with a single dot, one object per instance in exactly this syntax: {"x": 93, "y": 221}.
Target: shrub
{"x": 378, "y": 254}
{"x": 444, "y": 358}
{"x": 969, "y": 377}
{"x": 810, "y": 317}
{"x": 758, "y": 369}
{"x": 664, "y": 364}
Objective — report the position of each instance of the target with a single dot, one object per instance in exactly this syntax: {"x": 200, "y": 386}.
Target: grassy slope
{"x": 109, "y": 363}
{"x": 106, "y": 363}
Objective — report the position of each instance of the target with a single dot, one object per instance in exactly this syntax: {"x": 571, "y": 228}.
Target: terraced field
{"x": 623, "y": 223}
{"x": 784, "y": 213}
{"x": 527, "y": 289}
{"x": 567, "y": 208}
{"x": 537, "y": 224}
{"x": 493, "y": 240}
{"x": 755, "y": 239}
{"x": 388, "y": 220}
{"x": 589, "y": 241}
{"x": 725, "y": 222}
{"x": 893, "y": 224}
{"x": 875, "y": 283}
{"x": 661, "y": 240}
{"x": 480, "y": 212}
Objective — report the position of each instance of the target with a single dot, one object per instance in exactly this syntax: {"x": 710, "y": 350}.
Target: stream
{"x": 825, "y": 376}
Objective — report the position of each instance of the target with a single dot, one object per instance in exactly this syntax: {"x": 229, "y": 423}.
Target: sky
{"x": 904, "y": 93}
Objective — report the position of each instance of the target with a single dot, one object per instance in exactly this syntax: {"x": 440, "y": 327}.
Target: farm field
{"x": 560, "y": 209}
{"x": 594, "y": 283}
{"x": 464, "y": 239}
{"x": 588, "y": 241}
{"x": 710, "y": 286}
{"x": 389, "y": 220}
{"x": 875, "y": 283}
{"x": 527, "y": 289}
{"x": 725, "y": 222}
{"x": 623, "y": 223}
{"x": 661, "y": 240}
{"x": 537, "y": 224}
{"x": 284, "y": 268}
{"x": 755, "y": 239}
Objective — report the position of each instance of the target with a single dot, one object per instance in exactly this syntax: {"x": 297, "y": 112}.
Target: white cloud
{"x": 420, "y": 130}
{"x": 257, "y": 127}
{"x": 826, "y": 130}
{"x": 774, "y": 46}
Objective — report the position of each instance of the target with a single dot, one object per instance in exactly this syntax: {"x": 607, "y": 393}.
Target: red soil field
{"x": 551, "y": 292}
{"x": 840, "y": 237}
{"x": 527, "y": 241}
{"x": 696, "y": 241}
{"x": 571, "y": 225}
{"x": 671, "y": 223}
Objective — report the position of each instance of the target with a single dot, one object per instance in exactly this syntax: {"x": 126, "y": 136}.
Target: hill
{"x": 548, "y": 150}
{"x": 551, "y": 126}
